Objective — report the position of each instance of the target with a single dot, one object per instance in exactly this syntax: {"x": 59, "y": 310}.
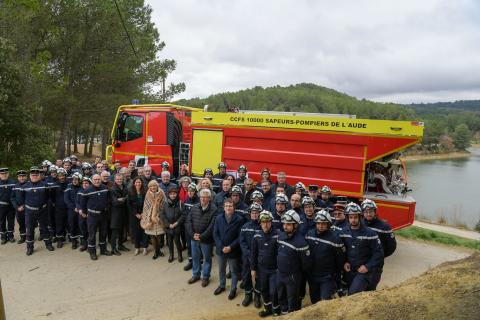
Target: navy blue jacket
{"x": 325, "y": 204}
{"x": 219, "y": 198}
{"x": 276, "y": 222}
{"x": 227, "y": 234}
{"x": 240, "y": 182}
{"x": 264, "y": 248}
{"x": 95, "y": 200}
{"x": 35, "y": 196}
{"x": 164, "y": 186}
{"x": 327, "y": 253}
{"x": 70, "y": 196}
{"x": 242, "y": 209}
{"x": 306, "y": 225}
{"x": 340, "y": 225}
{"x": 293, "y": 254}
{"x": 188, "y": 204}
{"x": 247, "y": 232}
{"x": 57, "y": 192}
{"x": 16, "y": 194}
{"x": 363, "y": 248}
{"x": 268, "y": 198}
{"x": 385, "y": 233}
{"x": 6, "y": 187}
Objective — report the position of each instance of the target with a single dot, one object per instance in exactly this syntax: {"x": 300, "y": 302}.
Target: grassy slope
{"x": 417, "y": 233}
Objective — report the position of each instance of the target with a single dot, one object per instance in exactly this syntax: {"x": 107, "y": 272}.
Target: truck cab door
{"x": 130, "y": 137}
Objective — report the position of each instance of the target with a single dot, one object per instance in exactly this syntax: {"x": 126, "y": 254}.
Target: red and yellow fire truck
{"x": 356, "y": 158}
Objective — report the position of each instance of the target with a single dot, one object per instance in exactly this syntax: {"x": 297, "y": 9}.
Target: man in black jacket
{"x": 199, "y": 226}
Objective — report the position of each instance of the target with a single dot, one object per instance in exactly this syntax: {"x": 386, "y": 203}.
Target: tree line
{"x": 448, "y": 126}
{"x": 65, "y": 67}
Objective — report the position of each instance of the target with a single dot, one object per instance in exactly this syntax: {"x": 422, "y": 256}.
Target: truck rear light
{"x": 417, "y": 123}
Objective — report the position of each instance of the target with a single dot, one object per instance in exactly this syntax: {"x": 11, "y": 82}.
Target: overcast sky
{"x": 401, "y": 51}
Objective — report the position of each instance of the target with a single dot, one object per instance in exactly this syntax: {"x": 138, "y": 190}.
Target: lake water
{"x": 447, "y": 189}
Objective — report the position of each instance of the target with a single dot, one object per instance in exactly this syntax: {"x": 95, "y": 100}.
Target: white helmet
{"x": 367, "y": 203}
{"x": 291, "y": 216}
{"x": 322, "y": 216}
{"x": 353, "y": 208}
{"x": 256, "y": 195}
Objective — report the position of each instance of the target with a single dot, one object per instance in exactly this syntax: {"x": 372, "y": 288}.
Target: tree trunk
{"x": 69, "y": 142}
{"x": 75, "y": 140}
{"x": 104, "y": 142}
{"x": 60, "y": 152}
{"x": 87, "y": 138}
{"x": 92, "y": 142}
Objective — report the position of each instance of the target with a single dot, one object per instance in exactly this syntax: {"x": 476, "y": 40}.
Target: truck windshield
{"x": 131, "y": 129}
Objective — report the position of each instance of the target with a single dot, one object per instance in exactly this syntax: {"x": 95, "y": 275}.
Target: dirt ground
{"x": 450, "y": 291}
{"x": 65, "y": 284}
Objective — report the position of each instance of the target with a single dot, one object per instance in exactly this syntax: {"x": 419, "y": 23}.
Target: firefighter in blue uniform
{"x": 383, "y": 230}
{"x": 95, "y": 204}
{"x": 242, "y": 175}
{"x": 339, "y": 215}
{"x": 263, "y": 259}
{"x": 328, "y": 258}
{"x": 308, "y": 217}
{"x": 51, "y": 180}
{"x": 281, "y": 202}
{"x": 34, "y": 199}
{"x": 240, "y": 207}
{"x": 82, "y": 217}
{"x": 326, "y": 198}
{"x": 57, "y": 191}
{"x": 313, "y": 193}
{"x": 20, "y": 214}
{"x": 246, "y": 235}
{"x": 7, "y": 211}
{"x": 75, "y": 167}
{"x": 219, "y": 177}
{"x": 70, "y": 196}
{"x": 293, "y": 260}
{"x": 87, "y": 169}
{"x": 364, "y": 253}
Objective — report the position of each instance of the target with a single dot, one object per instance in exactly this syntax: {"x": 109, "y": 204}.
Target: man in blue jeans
{"x": 199, "y": 226}
{"x": 227, "y": 242}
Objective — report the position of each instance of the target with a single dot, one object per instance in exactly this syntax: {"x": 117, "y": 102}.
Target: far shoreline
{"x": 437, "y": 156}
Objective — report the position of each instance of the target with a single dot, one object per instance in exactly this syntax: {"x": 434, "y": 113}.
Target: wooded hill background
{"x": 66, "y": 65}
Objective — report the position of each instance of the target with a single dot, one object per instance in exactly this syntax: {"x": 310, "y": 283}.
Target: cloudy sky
{"x": 384, "y": 50}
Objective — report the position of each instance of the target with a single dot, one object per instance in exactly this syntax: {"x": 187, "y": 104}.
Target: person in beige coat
{"x": 153, "y": 221}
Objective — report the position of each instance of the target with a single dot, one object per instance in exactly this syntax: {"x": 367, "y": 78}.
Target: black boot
{"x": 104, "y": 251}
{"x": 180, "y": 257}
{"x": 247, "y": 300}
{"x": 116, "y": 252}
{"x": 29, "y": 251}
{"x": 83, "y": 246}
{"x": 49, "y": 247}
{"x": 4, "y": 240}
{"x": 74, "y": 244}
{"x": 121, "y": 247}
{"x": 59, "y": 243}
{"x": 11, "y": 239}
{"x": 22, "y": 240}
{"x": 188, "y": 266}
{"x": 267, "y": 311}
{"x": 93, "y": 253}
{"x": 257, "y": 300}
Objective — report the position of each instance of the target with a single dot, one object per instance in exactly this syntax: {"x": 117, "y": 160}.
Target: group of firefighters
{"x": 275, "y": 238}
